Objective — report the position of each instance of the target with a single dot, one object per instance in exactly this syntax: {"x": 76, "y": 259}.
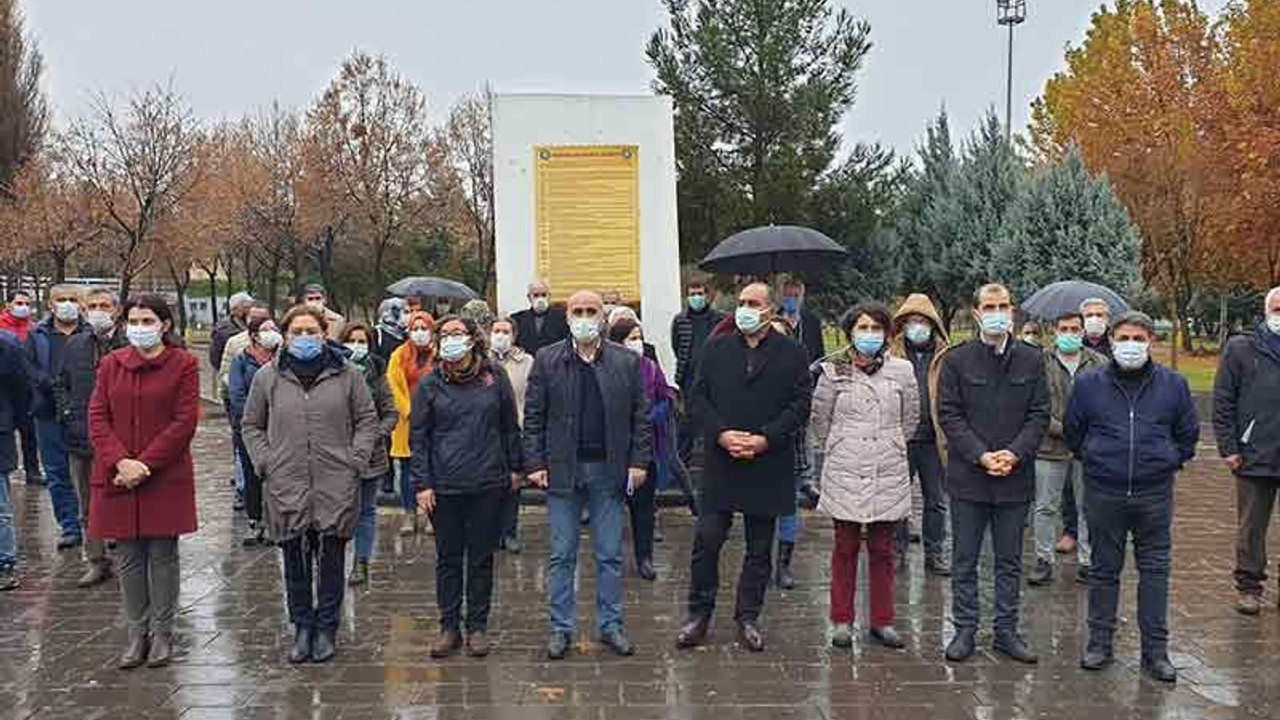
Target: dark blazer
{"x": 13, "y": 399}
{"x": 80, "y": 360}
{"x": 44, "y": 365}
{"x": 772, "y": 401}
{"x": 551, "y": 423}
{"x": 555, "y": 327}
{"x": 809, "y": 335}
{"x": 989, "y": 402}
{"x": 1246, "y": 395}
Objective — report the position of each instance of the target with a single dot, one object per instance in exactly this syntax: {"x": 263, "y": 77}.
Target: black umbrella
{"x": 431, "y": 287}
{"x": 1053, "y": 301}
{"x": 771, "y": 249}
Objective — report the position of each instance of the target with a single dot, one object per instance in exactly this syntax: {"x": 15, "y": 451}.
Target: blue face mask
{"x": 791, "y": 305}
{"x": 919, "y": 333}
{"x": 1130, "y": 354}
{"x": 748, "y": 320}
{"x": 1069, "y": 344}
{"x": 305, "y": 347}
{"x": 697, "y": 303}
{"x": 454, "y": 347}
{"x": 868, "y": 344}
{"x": 996, "y": 322}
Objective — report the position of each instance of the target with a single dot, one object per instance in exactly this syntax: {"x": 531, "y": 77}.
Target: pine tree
{"x": 991, "y": 179}
{"x": 24, "y": 111}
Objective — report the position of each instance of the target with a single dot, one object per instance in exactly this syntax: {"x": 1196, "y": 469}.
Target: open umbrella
{"x": 417, "y": 286}
{"x": 772, "y": 249}
{"x": 1052, "y": 301}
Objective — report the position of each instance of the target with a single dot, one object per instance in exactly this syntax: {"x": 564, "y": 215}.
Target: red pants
{"x": 844, "y": 571}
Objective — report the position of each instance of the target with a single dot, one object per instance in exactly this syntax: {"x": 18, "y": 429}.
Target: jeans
{"x": 926, "y": 467}
{"x": 1051, "y": 477}
{"x": 149, "y": 582}
{"x": 595, "y": 488}
{"x": 644, "y": 511}
{"x": 408, "y": 498}
{"x": 95, "y": 550}
{"x": 757, "y": 565}
{"x": 466, "y": 536}
{"x": 1113, "y": 518}
{"x": 511, "y": 513}
{"x": 969, "y": 524}
{"x": 304, "y": 557}
{"x": 788, "y": 528}
{"x": 26, "y": 428}
{"x": 367, "y": 527}
{"x": 252, "y": 487}
{"x": 844, "y": 571}
{"x": 8, "y": 542}
{"x": 1255, "y": 500}
{"x": 57, "y": 470}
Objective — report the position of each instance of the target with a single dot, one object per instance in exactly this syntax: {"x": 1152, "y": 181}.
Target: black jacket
{"x": 551, "y": 423}
{"x": 222, "y": 332}
{"x": 684, "y": 341}
{"x": 1246, "y": 404}
{"x": 385, "y": 341}
{"x": 809, "y": 335}
{"x": 44, "y": 364}
{"x": 13, "y": 399}
{"x": 75, "y": 385}
{"x": 465, "y": 437}
{"x": 989, "y": 402}
{"x": 773, "y": 401}
{"x": 555, "y": 327}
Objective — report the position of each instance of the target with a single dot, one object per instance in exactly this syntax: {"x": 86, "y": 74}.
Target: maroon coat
{"x": 146, "y": 410}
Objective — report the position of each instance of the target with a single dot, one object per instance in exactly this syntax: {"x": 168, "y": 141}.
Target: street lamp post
{"x": 1010, "y": 13}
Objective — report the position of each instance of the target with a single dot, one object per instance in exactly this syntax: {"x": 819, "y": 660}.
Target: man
{"x": 1031, "y": 332}
{"x": 315, "y": 296}
{"x": 388, "y": 334}
{"x": 235, "y": 322}
{"x": 79, "y": 373}
{"x": 751, "y": 398}
{"x": 13, "y": 407}
{"x": 920, "y": 337}
{"x": 1097, "y": 320}
{"x": 541, "y": 325}
{"x": 611, "y": 300}
{"x": 993, "y": 408}
{"x": 1246, "y": 420}
{"x": 46, "y": 346}
{"x": 587, "y": 441}
{"x": 1056, "y": 468}
{"x": 690, "y": 331}
{"x": 808, "y": 326}
{"x": 1133, "y": 424}
{"x": 16, "y": 320}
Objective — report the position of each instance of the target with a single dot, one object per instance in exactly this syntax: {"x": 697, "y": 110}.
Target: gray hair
{"x": 106, "y": 292}
{"x": 238, "y": 299}
{"x": 1095, "y": 301}
{"x": 1270, "y": 296}
{"x": 1135, "y": 318}
{"x": 988, "y": 289}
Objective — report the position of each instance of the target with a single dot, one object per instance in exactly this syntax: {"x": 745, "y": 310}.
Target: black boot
{"x": 359, "y": 574}
{"x": 301, "y": 651}
{"x": 161, "y": 652}
{"x": 784, "y": 579}
{"x": 135, "y": 652}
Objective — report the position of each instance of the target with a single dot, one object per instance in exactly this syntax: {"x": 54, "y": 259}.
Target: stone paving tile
{"x": 58, "y": 644}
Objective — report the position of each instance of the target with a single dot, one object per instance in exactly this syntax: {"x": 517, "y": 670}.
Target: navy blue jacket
{"x": 45, "y": 366}
{"x": 1131, "y": 442}
{"x": 13, "y": 399}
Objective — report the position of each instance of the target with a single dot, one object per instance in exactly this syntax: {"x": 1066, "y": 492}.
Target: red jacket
{"x": 146, "y": 410}
{"x": 12, "y": 324}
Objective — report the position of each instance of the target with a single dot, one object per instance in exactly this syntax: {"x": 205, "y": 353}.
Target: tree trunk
{"x": 213, "y": 293}
{"x": 1224, "y": 320}
{"x": 59, "y": 268}
{"x": 273, "y": 280}
{"x": 1173, "y": 341}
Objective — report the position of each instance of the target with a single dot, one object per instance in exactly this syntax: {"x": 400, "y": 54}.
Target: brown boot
{"x": 478, "y": 644}
{"x": 1249, "y": 604}
{"x": 449, "y": 642}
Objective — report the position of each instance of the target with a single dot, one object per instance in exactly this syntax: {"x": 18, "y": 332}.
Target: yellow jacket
{"x": 403, "y": 396}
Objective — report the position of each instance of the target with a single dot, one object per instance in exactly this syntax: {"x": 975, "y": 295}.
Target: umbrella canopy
{"x": 772, "y": 249}
{"x": 1052, "y": 301}
{"x": 431, "y": 287}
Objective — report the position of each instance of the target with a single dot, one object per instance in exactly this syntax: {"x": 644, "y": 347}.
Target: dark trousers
{"x": 926, "y": 468}
{"x": 511, "y": 513}
{"x": 757, "y": 565}
{"x": 1255, "y": 500}
{"x": 26, "y": 426}
{"x": 466, "y": 535}
{"x": 1070, "y": 512}
{"x": 643, "y": 516}
{"x": 252, "y": 483}
{"x": 1113, "y": 518}
{"x": 314, "y": 602}
{"x": 969, "y": 524}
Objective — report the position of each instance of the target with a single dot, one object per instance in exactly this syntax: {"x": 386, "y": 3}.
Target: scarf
{"x": 418, "y": 361}
{"x": 457, "y": 374}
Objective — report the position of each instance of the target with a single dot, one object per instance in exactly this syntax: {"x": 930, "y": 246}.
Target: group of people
{"x": 573, "y": 401}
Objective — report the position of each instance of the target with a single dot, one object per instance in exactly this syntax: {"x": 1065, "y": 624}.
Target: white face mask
{"x": 99, "y": 320}
{"x": 584, "y": 329}
{"x": 500, "y": 342}
{"x": 636, "y": 346}
{"x": 1131, "y": 354}
{"x": 269, "y": 339}
{"x": 540, "y": 304}
{"x": 420, "y": 338}
{"x": 67, "y": 311}
{"x": 1273, "y": 323}
{"x": 1095, "y": 326}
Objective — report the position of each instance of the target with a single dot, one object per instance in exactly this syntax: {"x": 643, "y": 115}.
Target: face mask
{"x": 636, "y": 346}
{"x": 305, "y": 347}
{"x": 609, "y": 308}
{"x": 868, "y": 344}
{"x": 420, "y": 338}
{"x": 66, "y": 311}
{"x": 144, "y": 337}
{"x": 1031, "y": 339}
{"x": 1273, "y": 323}
{"x": 996, "y": 323}
{"x": 316, "y": 305}
{"x": 919, "y": 333}
{"x": 790, "y": 305}
{"x": 748, "y": 319}
{"x": 1069, "y": 343}
{"x": 1130, "y": 354}
{"x": 697, "y": 303}
{"x": 270, "y": 339}
{"x": 540, "y": 304}
{"x": 359, "y": 351}
{"x": 99, "y": 320}
{"x": 20, "y": 311}
{"x": 454, "y": 347}
{"x": 1095, "y": 326}
{"x": 443, "y": 310}
{"x": 584, "y": 330}
{"x": 500, "y": 342}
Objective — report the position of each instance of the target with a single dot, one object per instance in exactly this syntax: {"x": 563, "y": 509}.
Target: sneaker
{"x": 1082, "y": 574}
{"x": 68, "y": 541}
{"x": 1041, "y": 575}
{"x": 8, "y": 580}
{"x": 842, "y": 636}
{"x": 1249, "y": 604}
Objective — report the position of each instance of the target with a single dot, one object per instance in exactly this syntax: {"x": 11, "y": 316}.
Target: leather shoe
{"x": 301, "y": 651}
{"x": 449, "y": 642}
{"x": 887, "y": 637}
{"x": 67, "y": 541}
{"x": 842, "y": 636}
{"x": 937, "y": 566}
{"x": 322, "y": 647}
{"x": 1082, "y": 574}
{"x": 558, "y": 645}
{"x": 478, "y": 645}
{"x": 750, "y": 637}
{"x": 1160, "y": 669}
{"x": 161, "y": 651}
{"x": 694, "y": 633}
{"x": 1249, "y": 604}
{"x": 1096, "y": 660}
{"x": 646, "y": 570}
{"x": 961, "y": 646}
{"x": 96, "y": 574}
{"x": 1015, "y": 648}
{"x": 135, "y": 653}
{"x": 1041, "y": 575}
{"x": 616, "y": 640}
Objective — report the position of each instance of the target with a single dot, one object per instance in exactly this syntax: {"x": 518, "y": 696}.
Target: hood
{"x": 919, "y": 304}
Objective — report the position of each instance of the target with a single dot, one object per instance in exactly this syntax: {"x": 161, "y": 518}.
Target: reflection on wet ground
{"x": 58, "y": 644}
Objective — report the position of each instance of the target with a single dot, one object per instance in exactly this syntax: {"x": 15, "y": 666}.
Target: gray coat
{"x": 310, "y": 447}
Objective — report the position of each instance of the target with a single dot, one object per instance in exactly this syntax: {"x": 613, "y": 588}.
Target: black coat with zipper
{"x": 75, "y": 383}
{"x": 1246, "y": 405}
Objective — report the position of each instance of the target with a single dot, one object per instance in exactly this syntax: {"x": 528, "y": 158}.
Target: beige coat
{"x": 517, "y": 363}
{"x": 860, "y": 425}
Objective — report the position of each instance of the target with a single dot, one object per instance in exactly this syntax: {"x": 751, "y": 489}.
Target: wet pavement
{"x": 58, "y": 644}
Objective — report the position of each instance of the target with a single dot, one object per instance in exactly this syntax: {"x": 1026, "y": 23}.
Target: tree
{"x": 991, "y": 179}
{"x": 1068, "y": 225}
{"x": 758, "y": 88}
{"x": 139, "y": 161}
{"x": 53, "y": 213}
{"x": 467, "y": 137}
{"x": 24, "y": 110}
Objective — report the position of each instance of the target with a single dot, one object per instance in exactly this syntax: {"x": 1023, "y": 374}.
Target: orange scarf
{"x": 413, "y": 369}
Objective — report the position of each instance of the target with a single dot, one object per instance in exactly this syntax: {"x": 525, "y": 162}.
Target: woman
{"x": 264, "y": 341}
{"x": 865, "y": 409}
{"x": 310, "y": 428}
{"x": 661, "y": 396}
{"x": 410, "y": 362}
{"x": 142, "y": 417}
{"x": 358, "y": 340}
{"x": 517, "y": 363}
{"x": 465, "y": 437}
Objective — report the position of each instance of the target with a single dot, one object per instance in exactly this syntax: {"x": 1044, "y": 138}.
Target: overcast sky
{"x": 230, "y": 57}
